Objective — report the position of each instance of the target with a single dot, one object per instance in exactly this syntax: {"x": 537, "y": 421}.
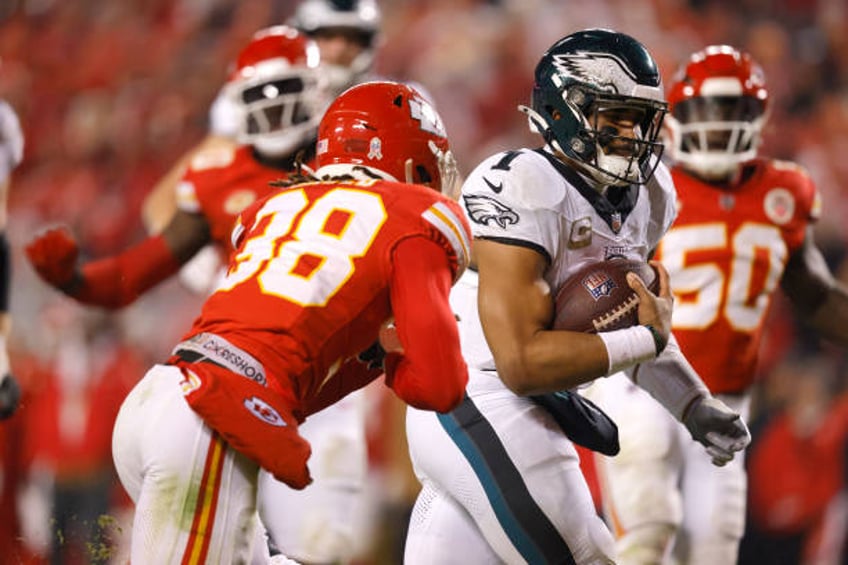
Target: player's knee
{"x": 645, "y": 544}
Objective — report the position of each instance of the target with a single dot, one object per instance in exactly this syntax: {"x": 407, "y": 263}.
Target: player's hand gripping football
{"x": 654, "y": 309}
{"x": 53, "y": 254}
{"x": 721, "y": 430}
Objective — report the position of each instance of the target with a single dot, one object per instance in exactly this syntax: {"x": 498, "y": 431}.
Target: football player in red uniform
{"x": 276, "y": 84}
{"x": 320, "y": 271}
{"x": 743, "y": 230}
{"x": 275, "y": 89}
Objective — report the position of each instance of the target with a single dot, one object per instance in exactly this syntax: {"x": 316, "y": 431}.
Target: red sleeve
{"x": 431, "y": 373}
{"x": 116, "y": 281}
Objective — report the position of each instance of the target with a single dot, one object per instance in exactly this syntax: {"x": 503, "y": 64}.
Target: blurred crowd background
{"x": 111, "y": 93}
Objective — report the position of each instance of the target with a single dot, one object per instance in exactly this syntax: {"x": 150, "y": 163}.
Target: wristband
{"x": 659, "y": 341}
{"x": 628, "y": 347}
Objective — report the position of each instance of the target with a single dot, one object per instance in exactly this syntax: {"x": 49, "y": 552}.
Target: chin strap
{"x": 537, "y": 123}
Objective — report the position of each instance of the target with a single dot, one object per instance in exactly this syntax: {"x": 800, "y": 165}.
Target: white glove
{"x": 11, "y": 141}
{"x": 718, "y": 428}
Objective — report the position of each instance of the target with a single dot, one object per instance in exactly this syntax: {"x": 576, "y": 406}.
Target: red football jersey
{"x": 220, "y": 183}
{"x": 726, "y": 253}
{"x": 308, "y": 285}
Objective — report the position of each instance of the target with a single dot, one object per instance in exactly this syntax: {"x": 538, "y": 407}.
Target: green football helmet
{"x": 584, "y": 75}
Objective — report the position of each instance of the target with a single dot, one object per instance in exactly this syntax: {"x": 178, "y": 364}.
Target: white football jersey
{"x": 568, "y": 222}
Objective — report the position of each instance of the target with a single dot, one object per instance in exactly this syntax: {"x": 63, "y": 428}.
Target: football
{"x": 597, "y": 298}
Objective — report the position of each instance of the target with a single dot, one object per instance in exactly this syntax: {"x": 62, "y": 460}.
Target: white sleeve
{"x": 11, "y": 141}
{"x": 670, "y": 379}
{"x": 512, "y": 197}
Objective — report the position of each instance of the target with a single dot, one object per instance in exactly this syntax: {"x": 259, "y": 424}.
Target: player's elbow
{"x": 517, "y": 374}
{"x": 440, "y": 394}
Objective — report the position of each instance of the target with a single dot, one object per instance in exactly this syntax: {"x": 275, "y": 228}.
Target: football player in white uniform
{"x": 500, "y": 475}
{"x": 744, "y": 229}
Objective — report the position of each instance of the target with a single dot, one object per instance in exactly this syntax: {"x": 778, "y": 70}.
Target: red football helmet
{"x": 718, "y": 105}
{"x": 276, "y": 85}
{"x": 390, "y": 127}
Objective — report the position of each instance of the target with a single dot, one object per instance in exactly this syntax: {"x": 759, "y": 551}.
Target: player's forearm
{"x": 671, "y": 380}
{"x": 550, "y": 361}
{"x": 431, "y": 373}
{"x": 114, "y": 282}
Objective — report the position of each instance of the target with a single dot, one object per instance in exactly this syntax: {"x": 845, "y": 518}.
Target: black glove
{"x": 373, "y": 356}
{"x": 10, "y": 396}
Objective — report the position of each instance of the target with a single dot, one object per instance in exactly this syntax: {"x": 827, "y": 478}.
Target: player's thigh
{"x": 194, "y": 495}
{"x": 714, "y": 503}
{"x": 504, "y": 460}
{"x": 640, "y": 484}
{"x": 441, "y": 532}
{"x": 322, "y": 523}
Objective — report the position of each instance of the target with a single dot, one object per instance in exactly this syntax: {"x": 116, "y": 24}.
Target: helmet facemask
{"x": 579, "y": 125}
{"x": 712, "y": 136}
{"x": 281, "y": 110}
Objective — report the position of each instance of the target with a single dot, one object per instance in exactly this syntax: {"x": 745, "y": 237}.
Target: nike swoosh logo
{"x": 496, "y": 188}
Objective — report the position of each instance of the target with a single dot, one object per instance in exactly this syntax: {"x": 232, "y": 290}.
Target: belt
{"x": 193, "y": 357}
{"x": 210, "y": 348}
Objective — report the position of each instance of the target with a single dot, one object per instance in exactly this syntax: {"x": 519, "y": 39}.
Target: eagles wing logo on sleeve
{"x": 482, "y": 210}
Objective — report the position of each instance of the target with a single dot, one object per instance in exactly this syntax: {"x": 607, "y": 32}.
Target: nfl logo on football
{"x": 598, "y": 285}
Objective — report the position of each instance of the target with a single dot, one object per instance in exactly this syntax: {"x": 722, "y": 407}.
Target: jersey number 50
{"x": 703, "y": 290}
{"x": 306, "y": 258}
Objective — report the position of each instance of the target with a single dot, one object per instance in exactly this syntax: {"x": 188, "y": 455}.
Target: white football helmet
{"x": 278, "y": 91}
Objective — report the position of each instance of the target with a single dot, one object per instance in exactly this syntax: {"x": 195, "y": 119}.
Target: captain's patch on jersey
{"x": 484, "y": 209}
{"x": 581, "y": 233}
